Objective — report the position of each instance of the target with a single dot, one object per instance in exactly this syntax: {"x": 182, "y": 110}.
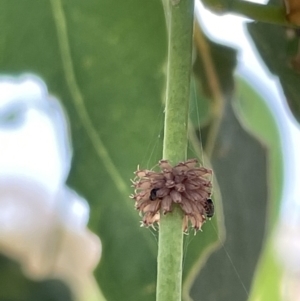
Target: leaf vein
{"x": 102, "y": 152}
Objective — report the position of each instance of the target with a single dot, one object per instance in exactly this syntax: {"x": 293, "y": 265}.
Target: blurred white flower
{"x": 43, "y": 223}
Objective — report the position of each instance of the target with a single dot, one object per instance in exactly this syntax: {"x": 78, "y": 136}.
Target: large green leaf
{"x": 251, "y": 183}
{"x": 240, "y": 163}
{"x": 203, "y": 244}
{"x": 105, "y": 61}
{"x": 279, "y": 49}
{"x": 256, "y": 116}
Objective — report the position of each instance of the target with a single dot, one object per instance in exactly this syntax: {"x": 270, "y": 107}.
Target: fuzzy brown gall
{"x": 185, "y": 184}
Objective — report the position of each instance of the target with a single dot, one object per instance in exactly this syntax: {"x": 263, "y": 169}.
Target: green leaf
{"x": 278, "y": 48}
{"x": 105, "y": 61}
{"x": 240, "y": 164}
{"x": 199, "y": 247}
{"x": 255, "y": 115}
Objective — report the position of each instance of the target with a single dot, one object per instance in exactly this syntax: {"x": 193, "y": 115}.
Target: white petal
{"x": 39, "y": 147}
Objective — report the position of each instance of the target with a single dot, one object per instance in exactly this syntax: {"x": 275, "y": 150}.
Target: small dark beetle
{"x": 209, "y": 208}
{"x": 153, "y": 195}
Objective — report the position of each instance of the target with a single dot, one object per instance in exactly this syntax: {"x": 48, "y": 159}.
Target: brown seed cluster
{"x": 184, "y": 184}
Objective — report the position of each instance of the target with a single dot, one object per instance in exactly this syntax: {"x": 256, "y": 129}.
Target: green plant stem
{"x": 179, "y": 15}
{"x": 274, "y": 14}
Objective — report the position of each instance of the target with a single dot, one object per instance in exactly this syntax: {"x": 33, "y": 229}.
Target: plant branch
{"x": 217, "y": 107}
{"x": 179, "y": 16}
